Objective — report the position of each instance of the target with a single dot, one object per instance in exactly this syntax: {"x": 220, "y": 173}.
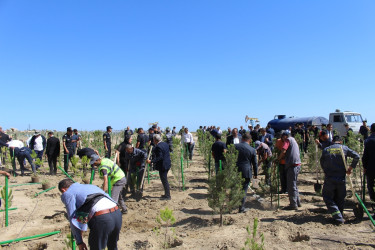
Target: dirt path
{"x": 196, "y": 227}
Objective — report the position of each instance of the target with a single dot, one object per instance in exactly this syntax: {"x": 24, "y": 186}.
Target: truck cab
{"x": 338, "y": 120}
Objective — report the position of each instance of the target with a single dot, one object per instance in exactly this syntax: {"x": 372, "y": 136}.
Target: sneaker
{"x": 124, "y": 211}
{"x": 243, "y": 210}
{"x": 290, "y": 208}
{"x": 338, "y": 222}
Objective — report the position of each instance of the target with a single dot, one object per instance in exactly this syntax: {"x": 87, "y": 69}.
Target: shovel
{"x": 317, "y": 185}
{"x": 140, "y": 191}
{"x": 358, "y": 209}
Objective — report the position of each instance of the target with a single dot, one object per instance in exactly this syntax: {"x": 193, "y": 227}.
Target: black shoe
{"x": 338, "y": 222}
{"x": 290, "y": 208}
{"x": 124, "y": 211}
{"x": 163, "y": 197}
{"x": 243, "y": 210}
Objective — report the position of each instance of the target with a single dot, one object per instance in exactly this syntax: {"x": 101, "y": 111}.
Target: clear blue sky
{"x": 89, "y": 64}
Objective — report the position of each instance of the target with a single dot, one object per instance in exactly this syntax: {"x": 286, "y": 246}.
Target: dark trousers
{"x": 108, "y": 152}
{"x": 164, "y": 180}
{"x": 105, "y": 231}
{"x": 190, "y": 149}
{"x": 67, "y": 157}
{"x": 292, "y": 175}
{"x": 52, "y": 163}
{"x": 283, "y": 178}
{"x": 135, "y": 177}
{"x": 39, "y": 154}
{"x": 334, "y": 193}
{"x": 370, "y": 185}
{"x": 245, "y": 186}
{"x": 267, "y": 171}
{"x": 21, "y": 157}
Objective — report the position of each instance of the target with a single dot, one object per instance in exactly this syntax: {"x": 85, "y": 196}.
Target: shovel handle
{"x": 349, "y": 177}
{"x": 144, "y": 172}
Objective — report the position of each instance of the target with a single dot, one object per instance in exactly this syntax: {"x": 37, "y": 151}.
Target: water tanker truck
{"x": 337, "y": 119}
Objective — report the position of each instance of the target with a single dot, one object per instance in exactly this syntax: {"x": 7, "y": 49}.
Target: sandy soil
{"x": 196, "y": 227}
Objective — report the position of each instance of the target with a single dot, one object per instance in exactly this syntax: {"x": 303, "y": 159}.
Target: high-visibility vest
{"x": 113, "y": 171}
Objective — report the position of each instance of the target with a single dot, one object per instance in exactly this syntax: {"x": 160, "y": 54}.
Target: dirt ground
{"x": 196, "y": 227}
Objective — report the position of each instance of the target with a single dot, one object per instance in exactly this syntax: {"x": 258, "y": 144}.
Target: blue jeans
{"x": 22, "y": 155}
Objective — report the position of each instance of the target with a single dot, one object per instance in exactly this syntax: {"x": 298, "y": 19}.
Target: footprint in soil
{"x": 299, "y": 237}
{"x": 138, "y": 244}
{"x": 39, "y": 246}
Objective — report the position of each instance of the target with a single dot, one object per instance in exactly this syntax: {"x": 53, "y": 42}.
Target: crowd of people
{"x": 91, "y": 207}
{"x": 256, "y": 146}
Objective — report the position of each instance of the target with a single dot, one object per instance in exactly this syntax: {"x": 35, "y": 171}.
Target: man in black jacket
{"x": 162, "y": 163}
{"x": 128, "y": 132}
{"x": 4, "y": 138}
{"x": 142, "y": 140}
{"x": 246, "y": 162}
{"x": 233, "y": 138}
{"x": 368, "y": 160}
{"x": 52, "y": 152}
{"x": 134, "y": 164}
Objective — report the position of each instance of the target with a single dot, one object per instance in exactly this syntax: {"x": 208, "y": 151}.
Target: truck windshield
{"x": 353, "y": 118}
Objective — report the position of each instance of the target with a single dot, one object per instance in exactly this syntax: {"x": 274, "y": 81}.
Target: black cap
{"x": 109, "y": 127}
{"x": 154, "y": 126}
{"x": 372, "y": 128}
{"x": 68, "y": 129}
{"x": 323, "y": 132}
{"x": 336, "y": 138}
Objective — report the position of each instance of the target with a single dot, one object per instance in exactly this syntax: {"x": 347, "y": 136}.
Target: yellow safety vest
{"x": 113, "y": 171}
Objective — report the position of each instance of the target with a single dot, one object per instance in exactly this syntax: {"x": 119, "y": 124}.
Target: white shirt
{"x": 188, "y": 138}
{"x": 28, "y": 141}
{"x": 330, "y": 137}
{"x": 38, "y": 145}
{"x": 15, "y": 144}
{"x": 102, "y": 204}
{"x": 236, "y": 140}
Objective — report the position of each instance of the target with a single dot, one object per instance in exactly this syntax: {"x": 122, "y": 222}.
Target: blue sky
{"x": 89, "y": 64}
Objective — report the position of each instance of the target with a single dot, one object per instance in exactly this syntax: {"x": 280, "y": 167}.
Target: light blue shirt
{"x": 73, "y": 199}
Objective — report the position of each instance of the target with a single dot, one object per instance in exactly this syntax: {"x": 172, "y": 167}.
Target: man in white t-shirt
{"x": 38, "y": 143}
{"x": 188, "y": 141}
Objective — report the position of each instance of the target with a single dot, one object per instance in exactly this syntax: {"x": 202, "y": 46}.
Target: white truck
{"x": 339, "y": 118}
